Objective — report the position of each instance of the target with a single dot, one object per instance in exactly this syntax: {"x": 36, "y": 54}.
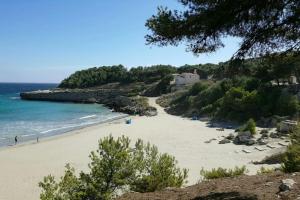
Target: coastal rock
{"x": 286, "y": 185}
{"x": 115, "y": 99}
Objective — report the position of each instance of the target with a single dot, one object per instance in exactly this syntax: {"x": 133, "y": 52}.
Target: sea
{"x": 32, "y": 120}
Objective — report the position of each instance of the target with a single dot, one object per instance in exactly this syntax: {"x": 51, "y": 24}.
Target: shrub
{"x": 287, "y": 104}
{"x": 156, "y": 171}
{"x": 115, "y": 167}
{"x": 251, "y": 126}
{"x": 222, "y": 173}
{"x": 272, "y": 159}
{"x": 291, "y": 161}
{"x": 197, "y": 88}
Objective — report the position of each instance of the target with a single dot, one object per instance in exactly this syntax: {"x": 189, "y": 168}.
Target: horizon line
{"x": 27, "y": 82}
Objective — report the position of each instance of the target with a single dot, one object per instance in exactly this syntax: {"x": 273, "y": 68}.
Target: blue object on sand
{"x": 128, "y": 121}
{"x": 195, "y": 118}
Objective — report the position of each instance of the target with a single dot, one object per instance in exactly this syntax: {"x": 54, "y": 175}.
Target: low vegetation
{"x": 250, "y": 125}
{"x": 222, "y": 172}
{"x": 116, "y": 167}
{"x": 291, "y": 160}
{"x": 264, "y": 170}
{"x": 272, "y": 159}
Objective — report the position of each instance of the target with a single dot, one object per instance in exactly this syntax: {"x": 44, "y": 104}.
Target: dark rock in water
{"x": 224, "y": 141}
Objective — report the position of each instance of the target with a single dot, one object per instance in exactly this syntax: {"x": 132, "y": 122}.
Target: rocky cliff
{"x": 116, "y": 99}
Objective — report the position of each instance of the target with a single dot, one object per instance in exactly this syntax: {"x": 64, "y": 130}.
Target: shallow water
{"x": 31, "y": 119}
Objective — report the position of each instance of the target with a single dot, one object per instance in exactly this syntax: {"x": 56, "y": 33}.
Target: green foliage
{"x": 204, "y": 70}
{"x": 197, "y": 88}
{"x": 287, "y": 104}
{"x": 238, "y": 104}
{"x": 109, "y": 74}
{"x": 222, "y": 173}
{"x": 237, "y": 99}
{"x": 291, "y": 160}
{"x": 156, "y": 171}
{"x": 250, "y": 126}
{"x": 264, "y": 27}
{"x": 115, "y": 167}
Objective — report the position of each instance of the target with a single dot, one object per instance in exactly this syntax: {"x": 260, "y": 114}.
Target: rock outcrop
{"x": 116, "y": 99}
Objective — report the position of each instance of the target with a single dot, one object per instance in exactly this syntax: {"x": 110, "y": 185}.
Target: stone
{"x": 286, "y": 185}
{"x": 244, "y": 138}
{"x": 230, "y": 136}
{"x": 250, "y": 142}
{"x": 282, "y": 144}
{"x": 246, "y": 151}
{"x": 259, "y": 149}
{"x": 265, "y": 135}
{"x": 224, "y": 141}
{"x": 287, "y": 126}
{"x": 271, "y": 146}
{"x": 261, "y": 141}
{"x": 275, "y": 135}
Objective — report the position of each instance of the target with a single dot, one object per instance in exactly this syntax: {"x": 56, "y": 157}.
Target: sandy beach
{"x": 23, "y": 166}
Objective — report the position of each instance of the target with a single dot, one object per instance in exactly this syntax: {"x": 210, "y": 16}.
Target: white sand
{"x": 22, "y": 167}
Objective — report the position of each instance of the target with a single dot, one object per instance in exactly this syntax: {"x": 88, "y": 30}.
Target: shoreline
{"x": 22, "y": 167}
{"x": 67, "y": 133}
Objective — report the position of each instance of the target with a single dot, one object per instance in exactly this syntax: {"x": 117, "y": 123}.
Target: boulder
{"x": 275, "y": 135}
{"x": 224, "y": 141}
{"x": 286, "y": 185}
{"x": 244, "y": 138}
{"x": 250, "y": 142}
{"x": 261, "y": 141}
{"x": 287, "y": 126}
{"x": 230, "y": 137}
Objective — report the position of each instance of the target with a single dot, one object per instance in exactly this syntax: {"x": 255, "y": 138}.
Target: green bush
{"x": 156, "y": 171}
{"x": 115, "y": 167}
{"x": 291, "y": 161}
{"x": 251, "y": 126}
{"x": 287, "y": 104}
{"x": 197, "y": 88}
{"x": 222, "y": 173}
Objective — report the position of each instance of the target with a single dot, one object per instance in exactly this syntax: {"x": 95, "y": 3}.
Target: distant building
{"x": 186, "y": 78}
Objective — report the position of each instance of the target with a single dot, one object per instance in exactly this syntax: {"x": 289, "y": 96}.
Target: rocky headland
{"x": 119, "y": 99}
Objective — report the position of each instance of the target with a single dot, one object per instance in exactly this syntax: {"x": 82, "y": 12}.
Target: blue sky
{"x": 46, "y": 40}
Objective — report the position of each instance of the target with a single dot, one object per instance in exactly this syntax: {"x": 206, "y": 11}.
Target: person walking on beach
{"x": 16, "y": 139}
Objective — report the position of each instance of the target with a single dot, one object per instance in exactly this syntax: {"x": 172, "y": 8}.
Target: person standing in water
{"x": 16, "y": 140}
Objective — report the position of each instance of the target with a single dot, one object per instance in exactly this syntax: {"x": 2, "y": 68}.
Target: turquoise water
{"x": 31, "y": 119}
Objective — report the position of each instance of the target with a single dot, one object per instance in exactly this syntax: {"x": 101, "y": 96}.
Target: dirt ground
{"x": 258, "y": 187}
